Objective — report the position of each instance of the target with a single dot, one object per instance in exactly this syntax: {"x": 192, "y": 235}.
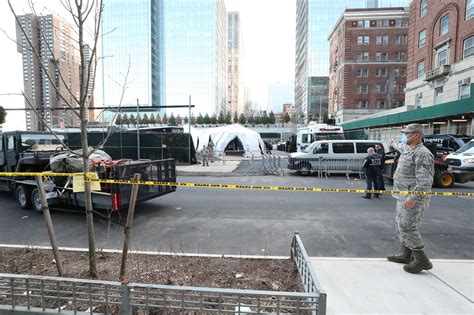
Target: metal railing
{"x": 325, "y": 167}
{"x": 24, "y": 294}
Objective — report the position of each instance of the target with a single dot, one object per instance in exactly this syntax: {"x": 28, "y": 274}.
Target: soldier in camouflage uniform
{"x": 415, "y": 173}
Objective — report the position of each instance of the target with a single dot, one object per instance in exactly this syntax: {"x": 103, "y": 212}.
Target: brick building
{"x": 368, "y": 59}
{"x": 441, "y": 59}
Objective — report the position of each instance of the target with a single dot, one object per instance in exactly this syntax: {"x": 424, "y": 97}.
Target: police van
{"x": 447, "y": 143}
{"x": 332, "y": 156}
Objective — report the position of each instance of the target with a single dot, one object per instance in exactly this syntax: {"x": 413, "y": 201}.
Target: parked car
{"x": 461, "y": 163}
{"x": 344, "y": 156}
{"x": 446, "y": 143}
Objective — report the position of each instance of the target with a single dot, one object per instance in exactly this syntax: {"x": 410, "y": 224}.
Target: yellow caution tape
{"x": 279, "y": 188}
{"x": 12, "y": 174}
{"x": 250, "y": 187}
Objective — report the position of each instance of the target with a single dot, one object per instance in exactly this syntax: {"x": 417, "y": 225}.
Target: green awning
{"x": 458, "y": 107}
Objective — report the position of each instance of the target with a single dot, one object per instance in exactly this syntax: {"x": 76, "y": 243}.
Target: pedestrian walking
{"x": 205, "y": 155}
{"x": 381, "y": 153}
{"x": 372, "y": 171}
{"x": 414, "y": 173}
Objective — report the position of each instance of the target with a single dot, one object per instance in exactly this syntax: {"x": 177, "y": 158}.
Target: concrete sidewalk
{"x": 376, "y": 286}
{"x": 215, "y": 168}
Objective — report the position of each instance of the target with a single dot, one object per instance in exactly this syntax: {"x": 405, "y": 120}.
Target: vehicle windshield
{"x": 468, "y": 146}
{"x": 311, "y": 147}
{"x": 27, "y": 140}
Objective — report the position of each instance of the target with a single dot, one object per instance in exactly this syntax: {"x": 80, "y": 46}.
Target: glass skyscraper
{"x": 176, "y": 49}
{"x": 314, "y": 21}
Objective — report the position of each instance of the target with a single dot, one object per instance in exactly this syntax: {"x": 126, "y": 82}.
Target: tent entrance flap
{"x": 235, "y": 147}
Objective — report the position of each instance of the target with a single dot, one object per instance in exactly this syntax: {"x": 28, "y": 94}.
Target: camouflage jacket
{"x": 415, "y": 172}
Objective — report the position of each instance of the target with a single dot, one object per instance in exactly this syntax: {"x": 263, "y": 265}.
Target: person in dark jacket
{"x": 381, "y": 153}
{"x": 372, "y": 165}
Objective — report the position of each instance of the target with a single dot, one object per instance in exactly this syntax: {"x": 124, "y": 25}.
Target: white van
{"x": 332, "y": 156}
{"x": 461, "y": 163}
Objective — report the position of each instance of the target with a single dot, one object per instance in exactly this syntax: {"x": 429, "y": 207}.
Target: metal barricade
{"x": 24, "y": 294}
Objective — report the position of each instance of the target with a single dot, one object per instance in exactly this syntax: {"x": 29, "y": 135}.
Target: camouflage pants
{"x": 407, "y": 224}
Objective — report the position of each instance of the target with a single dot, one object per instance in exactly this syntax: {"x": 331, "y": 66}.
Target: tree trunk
{"x": 83, "y": 108}
{"x": 49, "y": 224}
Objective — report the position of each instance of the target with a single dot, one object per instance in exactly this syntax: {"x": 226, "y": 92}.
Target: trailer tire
{"x": 22, "y": 196}
{"x": 36, "y": 201}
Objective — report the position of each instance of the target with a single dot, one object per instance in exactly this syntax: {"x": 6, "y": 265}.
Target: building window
{"x": 418, "y": 100}
{"x": 363, "y": 40}
{"x": 380, "y": 104}
{"x": 421, "y": 69}
{"x": 438, "y": 95}
{"x": 443, "y": 57}
{"x": 421, "y": 38}
{"x": 464, "y": 91}
{"x": 381, "y": 56}
{"x": 363, "y": 24}
{"x": 403, "y": 72}
{"x": 379, "y": 40}
{"x": 468, "y": 47}
{"x": 363, "y": 72}
{"x": 401, "y": 39}
{"x": 423, "y": 8}
{"x": 362, "y": 88}
{"x": 380, "y": 88}
{"x": 401, "y": 56}
{"x": 469, "y": 9}
{"x": 444, "y": 25}
{"x": 362, "y": 56}
{"x": 382, "y": 72}
{"x": 362, "y": 104}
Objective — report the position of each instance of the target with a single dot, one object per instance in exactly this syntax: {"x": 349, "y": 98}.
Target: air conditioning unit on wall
{"x": 465, "y": 81}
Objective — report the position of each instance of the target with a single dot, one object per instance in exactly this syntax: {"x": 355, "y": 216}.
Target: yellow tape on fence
{"x": 250, "y": 187}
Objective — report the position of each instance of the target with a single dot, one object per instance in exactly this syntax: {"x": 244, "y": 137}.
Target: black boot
{"x": 367, "y": 196}
{"x": 421, "y": 262}
{"x": 404, "y": 257}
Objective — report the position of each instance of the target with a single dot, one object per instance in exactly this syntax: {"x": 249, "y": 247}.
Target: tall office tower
{"x": 235, "y": 65}
{"x": 50, "y": 70}
{"x": 280, "y": 93}
{"x": 368, "y": 60}
{"x": 314, "y": 21}
{"x": 171, "y": 50}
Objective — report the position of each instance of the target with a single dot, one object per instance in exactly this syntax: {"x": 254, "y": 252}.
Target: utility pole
{"x": 138, "y": 130}
{"x": 189, "y": 129}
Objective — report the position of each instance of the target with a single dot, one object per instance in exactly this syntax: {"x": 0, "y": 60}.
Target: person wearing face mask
{"x": 415, "y": 172}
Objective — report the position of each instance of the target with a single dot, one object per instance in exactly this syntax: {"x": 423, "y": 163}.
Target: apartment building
{"x": 368, "y": 62}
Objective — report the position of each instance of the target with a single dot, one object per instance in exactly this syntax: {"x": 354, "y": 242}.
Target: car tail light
{"x": 116, "y": 201}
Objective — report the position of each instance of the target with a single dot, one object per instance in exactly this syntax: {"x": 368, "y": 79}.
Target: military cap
{"x": 413, "y": 128}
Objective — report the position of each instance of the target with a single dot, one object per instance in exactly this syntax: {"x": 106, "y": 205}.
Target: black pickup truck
{"x": 25, "y": 151}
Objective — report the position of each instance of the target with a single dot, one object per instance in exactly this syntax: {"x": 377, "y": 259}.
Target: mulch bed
{"x": 213, "y": 272}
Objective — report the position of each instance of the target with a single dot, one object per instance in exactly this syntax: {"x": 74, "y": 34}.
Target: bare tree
{"x": 87, "y": 18}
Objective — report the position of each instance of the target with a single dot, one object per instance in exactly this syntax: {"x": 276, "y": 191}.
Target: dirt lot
{"x": 235, "y": 273}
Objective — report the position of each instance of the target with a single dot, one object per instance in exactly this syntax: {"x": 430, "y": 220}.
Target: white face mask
{"x": 403, "y": 138}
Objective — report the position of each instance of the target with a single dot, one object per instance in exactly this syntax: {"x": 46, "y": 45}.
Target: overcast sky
{"x": 268, "y": 29}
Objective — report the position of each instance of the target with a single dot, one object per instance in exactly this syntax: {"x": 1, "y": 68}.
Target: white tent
{"x": 229, "y": 137}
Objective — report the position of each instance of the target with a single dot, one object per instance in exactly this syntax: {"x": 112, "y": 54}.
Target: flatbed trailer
{"x": 60, "y": 189}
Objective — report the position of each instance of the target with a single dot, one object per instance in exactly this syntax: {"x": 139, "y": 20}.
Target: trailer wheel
{"x": 22, "y": 196}
{"x": 36, "y": 201}
{"x": 444, "y": 179}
